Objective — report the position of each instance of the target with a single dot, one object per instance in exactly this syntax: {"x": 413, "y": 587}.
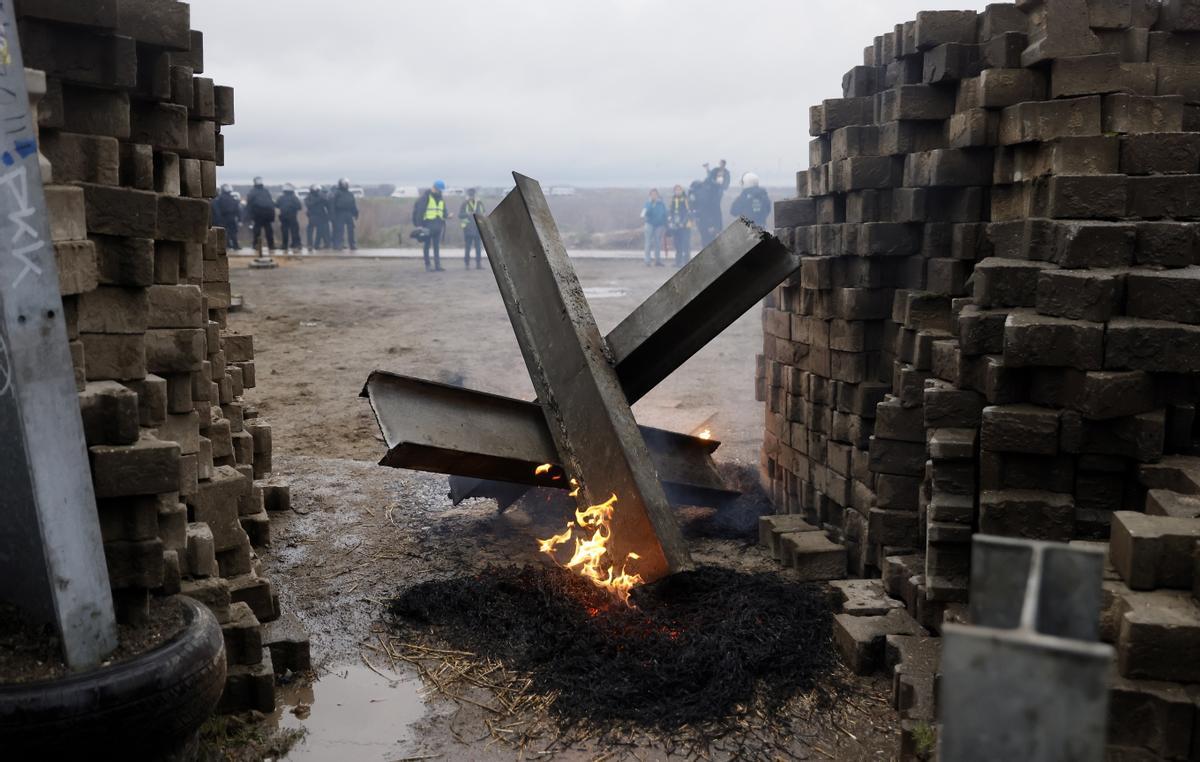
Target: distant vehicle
{"x": 407, "y": 191}
{"x": 562, "y": 190}
{"x": 456, "y": 192}
{"x": 357, "y": 191}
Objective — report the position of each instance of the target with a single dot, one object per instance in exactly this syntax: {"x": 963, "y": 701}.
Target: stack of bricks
{"x": 1152, "y": 616}
{"x": 996, "y": 325}
{"x": 132, "y": 137}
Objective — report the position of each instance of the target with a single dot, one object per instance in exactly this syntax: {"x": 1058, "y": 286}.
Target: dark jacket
{"x": 260, "y": 204}
{"x": 317, "y": 206}
{"x": 753, "y": 204}
{"x": 343, "y": 202}
{"x": 468, "y": 215}
{"x": 719, "y": 177}
{"x": 228, "y": 209}
{"x": 679, "y": 212}
{"x": 289, "y": 206}
{"x": 655, "y": 213}
{"x": 418, "y": 214}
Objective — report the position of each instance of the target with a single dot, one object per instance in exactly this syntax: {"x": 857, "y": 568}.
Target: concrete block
{"x": 288, "y": 643}
{"x": 216, "y": 504}
{"x": 199, "y": 553}
{"x": 120, "y": 211}
{"x": 1126, "y": 113}
{"x": 213, "y": 592}
{"x": 1027, "y": 513}
{"x": 864, "y": 597}
{"x": 813, "y": 556}
{"x": 1092, "y": 295}
{"x": 113, "y": 310}
{"x": 1159, "y": 637}
{"x": 110, "y": 414}
{"x": 67, "y": 213}
{"x": 1166, "y": 244}
{"x": 175, "y": 307}
{"x": 119, "y": 357}
{"x": 1039, "y": 340}
{"x": 124, "y": 261}
{"x": 861, "y": 639}
{"x": 1171, "y": 295}
{"x": 82, "y": 158}
{"x": 146, "y": 467}
{"x": 1152, "y": 345}
{"x": 1157, "y": 717}
{"x": 175, "y": 350}
{"x": 77, "y": 268}
{"x": 1154, "y": 551}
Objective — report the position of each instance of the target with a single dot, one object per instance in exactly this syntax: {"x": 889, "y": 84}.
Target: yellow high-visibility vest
{"x": 434, "y": 209}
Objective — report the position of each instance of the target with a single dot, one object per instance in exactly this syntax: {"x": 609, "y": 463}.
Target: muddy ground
{"x": 360, "y": 532}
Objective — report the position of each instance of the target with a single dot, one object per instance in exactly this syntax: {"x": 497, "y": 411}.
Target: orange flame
{"x": 591, "y": 557}
{"x": 706, "y": 434}
{"x": 544, "y": 468}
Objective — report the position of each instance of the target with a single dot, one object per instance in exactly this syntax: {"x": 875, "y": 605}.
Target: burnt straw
{"x": 698, "y": 646}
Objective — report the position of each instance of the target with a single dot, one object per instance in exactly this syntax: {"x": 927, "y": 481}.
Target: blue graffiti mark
{"x": 26, "y": 148}
{"x": 8, "y": 159}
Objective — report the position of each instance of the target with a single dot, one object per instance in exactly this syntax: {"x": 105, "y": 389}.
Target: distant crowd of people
{"x": 699, "y": 207}
{"x": 331, "y": 216}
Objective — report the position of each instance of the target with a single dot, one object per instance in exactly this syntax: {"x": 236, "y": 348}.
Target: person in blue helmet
{"x": 430, "y": 213}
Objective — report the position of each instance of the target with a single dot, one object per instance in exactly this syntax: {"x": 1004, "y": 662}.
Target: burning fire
{"x": 706, "y": 434}
{"x": 591, "y": 557}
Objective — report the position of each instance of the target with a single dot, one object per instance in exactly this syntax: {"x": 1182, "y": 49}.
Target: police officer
{"x": 316, "y": 208}
{"x": 430, "y": 213}
{"x": 466, "y": 213}
{"x": 753, "y": 203}
{"x": 289, "y": 207}
{"x": 261, "y": 207}
{"x": 229, "y": 215}
{"x": 344, "y": 209}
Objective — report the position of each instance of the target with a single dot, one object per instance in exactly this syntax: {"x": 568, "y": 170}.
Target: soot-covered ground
{"x": 696, "y": 647}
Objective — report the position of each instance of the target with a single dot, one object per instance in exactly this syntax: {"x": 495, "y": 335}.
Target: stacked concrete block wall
{"x": 132, "y": 132}
{"x": 996, "y": 326}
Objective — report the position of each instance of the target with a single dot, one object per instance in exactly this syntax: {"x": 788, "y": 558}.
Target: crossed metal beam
{"x": 585, "y": 383}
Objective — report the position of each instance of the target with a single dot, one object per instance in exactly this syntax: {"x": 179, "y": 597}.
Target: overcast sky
{"x": 584, "y": 92}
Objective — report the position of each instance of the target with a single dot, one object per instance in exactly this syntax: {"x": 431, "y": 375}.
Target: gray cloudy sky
{"x": 586, "y": 92}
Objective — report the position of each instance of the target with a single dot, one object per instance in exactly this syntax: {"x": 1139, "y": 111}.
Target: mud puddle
{"x": 352, "y": 714}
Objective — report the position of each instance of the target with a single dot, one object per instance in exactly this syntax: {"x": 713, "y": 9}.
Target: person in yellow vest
{"x": 430, "y": 213}
{"x": 466, "y": 213}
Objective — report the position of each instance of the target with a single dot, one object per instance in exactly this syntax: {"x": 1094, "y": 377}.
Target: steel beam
{"x": 51, "y": 557}
{"x": 435, "y": 427}
{"x": 577, "y": 386}
{"x": 727, "y": 278}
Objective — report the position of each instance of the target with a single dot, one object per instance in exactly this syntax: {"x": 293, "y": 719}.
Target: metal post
{"x": 51, "y": 557}
{"x": 576, "y": 382}
{"x": 1027, "y": 680}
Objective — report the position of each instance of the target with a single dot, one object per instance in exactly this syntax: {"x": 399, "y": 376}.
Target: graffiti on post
{"x": 25, "y": 239}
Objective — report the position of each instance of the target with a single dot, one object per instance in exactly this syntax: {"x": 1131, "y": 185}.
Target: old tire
{"x": 139, "y": 709}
